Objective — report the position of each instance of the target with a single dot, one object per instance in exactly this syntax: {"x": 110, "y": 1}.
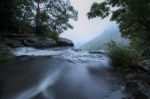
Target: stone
{"x": 145, "y": 64}
{"x": 11, "y": 42}
{"x": 34, "y": 41}
{"x": 64, "y": 42}
{"x": 39, "y": 42}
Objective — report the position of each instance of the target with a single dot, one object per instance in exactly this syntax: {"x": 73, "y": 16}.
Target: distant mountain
{"x": 100, "y": 41}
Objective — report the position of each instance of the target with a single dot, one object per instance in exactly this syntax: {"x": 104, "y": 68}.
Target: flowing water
{"x": 59, "y": 73}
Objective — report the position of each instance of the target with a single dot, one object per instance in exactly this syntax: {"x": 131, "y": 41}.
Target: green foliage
{"x": 99, "y": 10}
{"x": 132, "y": 16}
{"x": 36, "y": 16}
{"x": 5, "y": 53}
{"x": 54, "y": 14}
{"x": 142, "y": 47}
{"x": 51, "y": 34}
{"x": 123, "y": 56}
{"x": 25, "y": 16}
{"x": 146, "y": 52}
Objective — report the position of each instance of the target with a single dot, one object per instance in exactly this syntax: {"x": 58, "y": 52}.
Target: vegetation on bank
{"x": 133, "y": 18}
{"x": 123, "y": 56}
{"x": 5, "y": 53}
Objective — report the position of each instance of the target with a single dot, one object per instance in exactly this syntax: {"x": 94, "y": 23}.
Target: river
{"x": 59, "y": 73}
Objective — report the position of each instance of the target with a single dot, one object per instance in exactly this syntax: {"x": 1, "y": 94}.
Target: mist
{"x": 85, "y": 29}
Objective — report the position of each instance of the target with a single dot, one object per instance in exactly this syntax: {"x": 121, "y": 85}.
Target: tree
{"x": 43, "y": 16}
{"x": 15, "y": 15}
{"x": 53, "y": 15}
{"x": 25, "y": 15}
{"x": 7, "y": 15}
{"x": 132, "y": 16}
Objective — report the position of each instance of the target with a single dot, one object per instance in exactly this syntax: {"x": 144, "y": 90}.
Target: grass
{"x": 122, "y": 55}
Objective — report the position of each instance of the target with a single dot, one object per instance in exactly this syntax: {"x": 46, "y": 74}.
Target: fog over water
{"x": 85, "y": 29}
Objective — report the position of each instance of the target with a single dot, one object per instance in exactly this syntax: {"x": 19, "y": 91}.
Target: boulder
{"x": 64, "y": 42}
{"x": 39, "y": 42}
{"x": 34, "y": 41}
{"x": 145, "y": 64}
{"x": 11, "y": 42}
{"x": 134, "y": 91}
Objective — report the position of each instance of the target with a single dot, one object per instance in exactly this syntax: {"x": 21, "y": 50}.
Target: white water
{"x": 69, "y": 54}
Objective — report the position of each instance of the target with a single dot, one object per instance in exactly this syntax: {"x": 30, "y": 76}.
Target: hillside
{"x": 105, "y": 37}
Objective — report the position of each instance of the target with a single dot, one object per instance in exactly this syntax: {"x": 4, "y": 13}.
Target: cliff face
{"x": 100, "y": 41}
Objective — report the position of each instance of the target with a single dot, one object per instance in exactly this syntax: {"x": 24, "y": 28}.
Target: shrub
{"x": 123, "y": 55}
{"x": 5, "y": 53}
{"x": 142, "y": 46}
{"x": 53, "y": 35}
{"x": 146, "y": 52}
{"x": 43, "y": 31}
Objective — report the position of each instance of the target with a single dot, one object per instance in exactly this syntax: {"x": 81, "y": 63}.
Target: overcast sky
{"x": 85, "y": 29}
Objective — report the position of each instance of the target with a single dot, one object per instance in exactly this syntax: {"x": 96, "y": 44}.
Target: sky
{"x": 85, "y": 29}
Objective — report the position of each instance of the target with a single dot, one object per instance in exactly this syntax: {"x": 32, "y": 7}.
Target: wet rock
{"x": 132, "y": 89}
{"x": 39, "y": 42}
{"x": 64, "y": 42}
{"x": 145, "y": 64}
{"x": 11, "y": 42}
{"x": 98, "y": 52}
{"x": 34, "y": 41}
{"x": 141, "y": 96}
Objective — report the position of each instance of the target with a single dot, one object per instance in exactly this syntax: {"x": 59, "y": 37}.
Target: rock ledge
{"x": 34, "y": 41}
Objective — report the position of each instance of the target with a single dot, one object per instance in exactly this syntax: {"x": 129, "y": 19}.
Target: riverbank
{"x": 136, "y": 83}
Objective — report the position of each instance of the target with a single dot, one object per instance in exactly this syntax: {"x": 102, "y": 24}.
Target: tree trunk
{"x": 37, "y": 18}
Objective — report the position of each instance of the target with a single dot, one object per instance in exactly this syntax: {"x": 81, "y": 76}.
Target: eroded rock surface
{"x": 34, "y": 41}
